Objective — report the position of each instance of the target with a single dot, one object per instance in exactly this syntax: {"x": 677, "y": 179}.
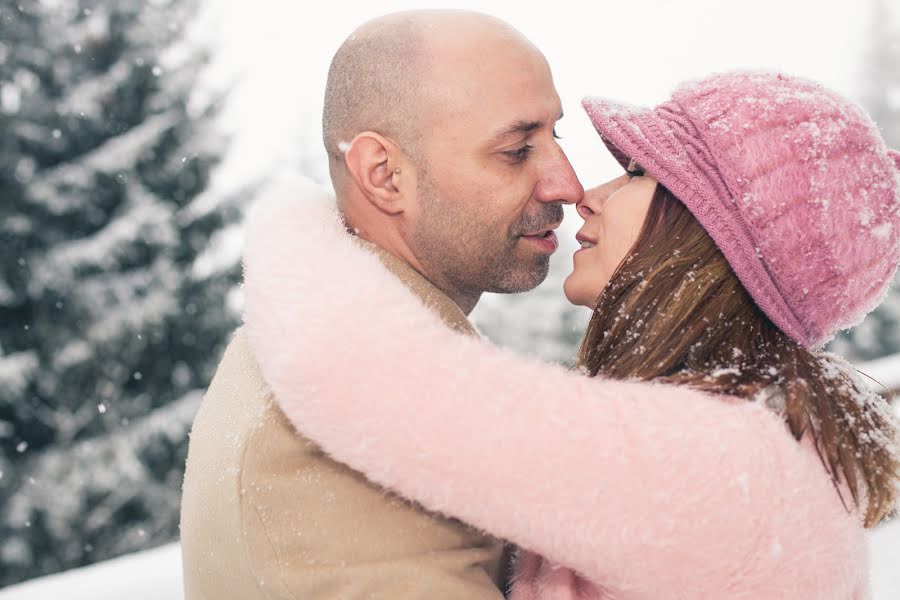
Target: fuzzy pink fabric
{"x": 641, "y": 491}
{"x": 792, "y": 181}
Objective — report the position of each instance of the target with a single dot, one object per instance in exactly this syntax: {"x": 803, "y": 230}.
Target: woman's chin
{"x": 574, "y": 292}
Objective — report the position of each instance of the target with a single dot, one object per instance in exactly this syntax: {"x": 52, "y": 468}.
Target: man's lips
{"x": 544, "y": 238}
{"x": 542, "y": 231}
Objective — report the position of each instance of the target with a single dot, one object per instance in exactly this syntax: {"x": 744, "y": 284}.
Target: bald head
{"x": 451, "y": 161}
{"x": 381, "y": 78}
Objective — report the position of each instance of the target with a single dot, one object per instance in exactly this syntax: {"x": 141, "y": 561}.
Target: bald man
{"x": 439, "y": 128}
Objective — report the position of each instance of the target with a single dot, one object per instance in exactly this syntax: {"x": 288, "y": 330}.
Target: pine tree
{"x": 879, "y": 334}
{"x": 112, "y": 297}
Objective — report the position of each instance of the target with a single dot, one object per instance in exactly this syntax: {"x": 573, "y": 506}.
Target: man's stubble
{"x": 452, "y": 242}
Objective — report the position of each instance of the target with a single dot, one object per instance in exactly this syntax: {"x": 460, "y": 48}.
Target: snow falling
{"x": 120, "y": 269}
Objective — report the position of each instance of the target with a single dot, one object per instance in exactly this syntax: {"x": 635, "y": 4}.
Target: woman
{"x": 759, "y": 214}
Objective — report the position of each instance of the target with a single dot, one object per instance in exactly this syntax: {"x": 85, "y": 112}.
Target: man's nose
{"x": 558, "y": 182}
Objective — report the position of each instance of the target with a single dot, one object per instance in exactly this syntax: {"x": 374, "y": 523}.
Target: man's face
{"x": 492, "y": 178}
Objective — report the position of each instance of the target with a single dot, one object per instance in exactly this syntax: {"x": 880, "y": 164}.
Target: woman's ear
{"x": 377, "y": 165}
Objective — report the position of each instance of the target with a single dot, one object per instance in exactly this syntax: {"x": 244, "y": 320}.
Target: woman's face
{"x": 614, "y": 215}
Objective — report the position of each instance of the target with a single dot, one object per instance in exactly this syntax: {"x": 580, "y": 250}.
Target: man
{"x": 439, "y": 127}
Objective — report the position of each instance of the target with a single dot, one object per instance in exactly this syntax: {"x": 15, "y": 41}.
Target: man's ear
{"x": 377, "y": 166}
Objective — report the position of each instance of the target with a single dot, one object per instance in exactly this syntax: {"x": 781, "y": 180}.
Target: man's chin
{"x": 527, "y": 275}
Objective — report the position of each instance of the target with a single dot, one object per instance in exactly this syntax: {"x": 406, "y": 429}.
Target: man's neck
{"x": 465, "y": 301}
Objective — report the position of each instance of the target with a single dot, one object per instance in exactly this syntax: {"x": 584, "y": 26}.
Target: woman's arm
{"x": 651, "y": 491}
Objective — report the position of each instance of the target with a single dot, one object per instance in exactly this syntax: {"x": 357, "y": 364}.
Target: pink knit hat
{"x": 792, "y": 181}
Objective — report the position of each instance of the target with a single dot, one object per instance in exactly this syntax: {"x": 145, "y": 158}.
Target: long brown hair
{"x": 675, "y": 312}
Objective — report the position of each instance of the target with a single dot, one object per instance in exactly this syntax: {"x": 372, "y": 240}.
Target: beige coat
{"x": 265, "y": 514}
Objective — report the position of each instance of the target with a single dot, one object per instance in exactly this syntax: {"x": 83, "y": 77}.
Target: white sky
{"x": 277, "y": 52}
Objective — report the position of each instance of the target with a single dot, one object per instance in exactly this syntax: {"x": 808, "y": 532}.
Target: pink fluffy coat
{"x": 642, "y": 491}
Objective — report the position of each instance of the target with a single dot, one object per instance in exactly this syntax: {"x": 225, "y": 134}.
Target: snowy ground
{"x": 885, "y": 548}
{"x": 149, "y": 575}
{"x": 156, "y": 575}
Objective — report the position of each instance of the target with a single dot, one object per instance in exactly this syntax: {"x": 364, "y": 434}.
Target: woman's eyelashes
{"x": 634, "y": 170}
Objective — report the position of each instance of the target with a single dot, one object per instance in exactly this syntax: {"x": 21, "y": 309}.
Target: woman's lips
{"x": 582, "y": 240}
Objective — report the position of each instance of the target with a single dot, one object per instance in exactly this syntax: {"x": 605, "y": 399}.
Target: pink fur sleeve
{"x": 649, "y": 491}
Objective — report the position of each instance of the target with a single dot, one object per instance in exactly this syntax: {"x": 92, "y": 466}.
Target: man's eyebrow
{"x": 518, "y": 128}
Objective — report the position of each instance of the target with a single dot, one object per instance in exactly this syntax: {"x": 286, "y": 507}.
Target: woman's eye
{"x": 556, "y": 135}
{"x": 634, "y": 169}
{"x": 520, "y": 154}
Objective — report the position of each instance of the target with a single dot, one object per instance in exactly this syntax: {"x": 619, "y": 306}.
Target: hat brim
{"x": 665, "y": 143}
{"x": 627, "y": 131}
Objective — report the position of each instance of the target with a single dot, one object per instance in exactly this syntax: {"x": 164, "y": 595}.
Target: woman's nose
{"x": 593, "y": 199}
{"x": 584, "y": 211}
{"x": 591, "y": 202}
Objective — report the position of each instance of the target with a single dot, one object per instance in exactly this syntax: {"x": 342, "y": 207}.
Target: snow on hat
{"x": 792, "y": 181}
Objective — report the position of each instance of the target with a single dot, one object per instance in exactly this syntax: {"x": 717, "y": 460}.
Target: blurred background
{"x": 135, "y": 135}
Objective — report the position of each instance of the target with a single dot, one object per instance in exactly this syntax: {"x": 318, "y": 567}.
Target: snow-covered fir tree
{"x": 879, "y": 334}
{"x": 112, "y": 312}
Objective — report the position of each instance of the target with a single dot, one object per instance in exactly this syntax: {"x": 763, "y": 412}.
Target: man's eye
{"x": 520, "y": 154}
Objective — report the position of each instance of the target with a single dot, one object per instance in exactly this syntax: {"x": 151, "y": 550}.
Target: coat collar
{"x": 427, "y": 292}
{"x": 292, "y": 204}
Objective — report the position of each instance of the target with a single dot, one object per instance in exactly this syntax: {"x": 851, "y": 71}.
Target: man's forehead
{"x": 493, "y": 110}
{"x": 520, "y": 126}
{"x": 480, "y": 55}
{"x": 500, "y": 87}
